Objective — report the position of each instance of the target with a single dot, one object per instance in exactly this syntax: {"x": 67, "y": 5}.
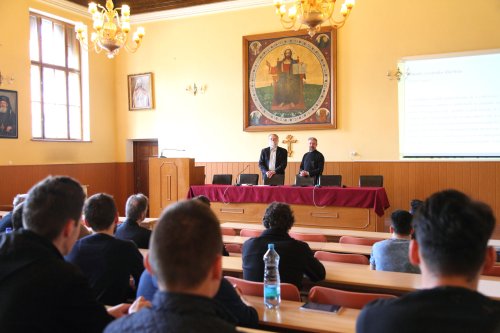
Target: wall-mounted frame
{"x": 140, "y": 92}
{"x": 8, "y": 114}
{"x": 289, "y": 81}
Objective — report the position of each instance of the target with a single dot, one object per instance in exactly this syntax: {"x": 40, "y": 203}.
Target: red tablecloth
{"x": 362, "y": 197}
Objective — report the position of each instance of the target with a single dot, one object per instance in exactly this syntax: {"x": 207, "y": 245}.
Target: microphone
{"x": 239, "y": 174}
{"x": 168, "y": 149}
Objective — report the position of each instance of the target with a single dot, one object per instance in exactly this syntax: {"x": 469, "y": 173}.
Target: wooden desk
{"x": 362, "y": 278}
{"x": 315, "y": 246}
{"x": 289, "y": 316}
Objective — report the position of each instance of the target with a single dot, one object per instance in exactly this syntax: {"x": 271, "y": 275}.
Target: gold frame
{"x": 143, "y": 99}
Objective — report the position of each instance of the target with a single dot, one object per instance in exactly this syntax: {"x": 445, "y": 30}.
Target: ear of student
{"x": 413, "y": 254}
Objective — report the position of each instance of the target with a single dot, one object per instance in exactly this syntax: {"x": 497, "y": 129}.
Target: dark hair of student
{"x": 184, "y": 245}
{"x": 135, "y": 206}
{"x": 453, "y": 232}
{"x": 278, "y": 215}
{"x": 100, "y": 211}
{"x": 401, "y": 222}
{"x": 415, "y": 204}
{"x": 203, "y": 199}
{"x": 17, "y": 216}
{"x": 51, "y": 203}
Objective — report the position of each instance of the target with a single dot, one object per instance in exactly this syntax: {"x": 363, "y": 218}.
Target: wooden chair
{"x": 359, "y": 240}
{"x": 289, "y": 291}
{"x": 275, "y": 180}
{"x": 228, "y": 231}
{"x": 371, "y": 181}
{"x": 330, "y": 180}
{"x": 493, "y": 271}
{"x": 341, "y": 257}
{"x": 250, "y": 233}
{"x": 304, "y": 181}
{"x": 233, "y": 248}
{"x": 348, "y": 299}
{"x": 308, "y": 237}
{"x": 222, "y": 179}
{"x": 248, "y": 178}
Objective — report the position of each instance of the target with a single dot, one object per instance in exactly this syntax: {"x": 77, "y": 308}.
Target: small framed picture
{"x": 8, "y": 114}
{"x": 140, "y": 92}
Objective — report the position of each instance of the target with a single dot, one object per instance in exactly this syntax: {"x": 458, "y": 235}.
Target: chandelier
{"x": 312, "y": 13}
{"x": 111, "y": 29}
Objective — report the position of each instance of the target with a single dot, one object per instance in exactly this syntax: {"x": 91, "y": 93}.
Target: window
{"x": 56, "y": 80}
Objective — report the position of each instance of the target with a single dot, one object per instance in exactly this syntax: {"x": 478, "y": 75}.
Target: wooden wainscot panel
{"x": 244, "y": 212}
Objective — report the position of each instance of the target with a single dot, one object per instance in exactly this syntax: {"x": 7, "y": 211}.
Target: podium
{"x": 169, "y": 181}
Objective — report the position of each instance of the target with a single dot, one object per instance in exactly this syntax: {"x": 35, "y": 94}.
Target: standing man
{"x": 313, "y": 162}
{"x": 136, "y": 209}
{"x": 451, "y": 248}
{"x": 40, "y": 291}
{"x": 273, "y": 159}
{"x": 185, "y": 257}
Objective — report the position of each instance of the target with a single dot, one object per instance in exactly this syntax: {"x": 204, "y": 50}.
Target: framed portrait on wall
{"x": 8, "y": 114}
{"x": 289, "y": 81}
{"x": 140, "y": 92}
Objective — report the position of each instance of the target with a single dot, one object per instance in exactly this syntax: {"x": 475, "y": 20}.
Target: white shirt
{"x": 272, "y": 159}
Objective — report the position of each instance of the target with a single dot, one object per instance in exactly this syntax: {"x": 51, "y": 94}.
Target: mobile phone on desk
{"x": 311, "y": 306}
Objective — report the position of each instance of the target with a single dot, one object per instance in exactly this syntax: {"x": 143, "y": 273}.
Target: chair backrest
{"x": 222, "y": 179}
{"x": 371, "y": 181}
{"x": 348, "y": 299}
{"x": 308, "y": 237}
{"x": 493, "y": 271}
{"x": 250, "y": 232}
{"x": 233, "y": 248}
{"x": 330, "y": 180}
{"x": 275, "y": 180}
{"x": 248, "y": 178}
{"x": 341, "y": 257}
{"x": 304, "y": 181}
{"x": 228, "y": 231}
{"x": 359, "y": 240}
{"x": 289, "y": 291}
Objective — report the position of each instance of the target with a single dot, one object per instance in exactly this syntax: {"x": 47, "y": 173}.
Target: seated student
{"x": 106, "y": 261}
{"x": 296, "y": 257}
{"x": 136, "y": 209}
{"x": 227, "y": 298}
{"x": 415, "y": 204}
{"x": 185, "y": 257}
{"x": 6, "y": 221}
{"x": 451, "y": 248}
{"x": 392, "y": 254}
{"x": 40, "y": 292}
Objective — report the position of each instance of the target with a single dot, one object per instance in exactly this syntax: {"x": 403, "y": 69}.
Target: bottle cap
{"x": 270, "y": 246}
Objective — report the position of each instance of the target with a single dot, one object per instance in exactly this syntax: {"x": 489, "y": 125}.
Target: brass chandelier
{"x": 111, "y": 29}
{"x": 312, "y": 13}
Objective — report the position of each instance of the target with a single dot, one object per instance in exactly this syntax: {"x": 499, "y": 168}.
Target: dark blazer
{"x": 108, "y": 263}
{"x": 281, "y": 160}
{"x": 130, "y": 230}
{"x": 40, "y": 292}
{"x": 296, "y": 258}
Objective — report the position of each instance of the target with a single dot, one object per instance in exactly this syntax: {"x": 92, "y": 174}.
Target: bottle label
{"x": 271, "y": 291}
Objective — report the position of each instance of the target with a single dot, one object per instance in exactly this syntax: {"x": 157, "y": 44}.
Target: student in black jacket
{"x": 136, "y": 209}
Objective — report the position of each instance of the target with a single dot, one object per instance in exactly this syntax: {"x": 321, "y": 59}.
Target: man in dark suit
{"x": 40, "y": 292}
{"x": 312, "y": 162}
{"x": 296, "y": 257}
{"x": 6, "y": 221}
{"x": 106, "y": 261}
{"x": 136, "y": 209}
{"x": 273, "y": 159}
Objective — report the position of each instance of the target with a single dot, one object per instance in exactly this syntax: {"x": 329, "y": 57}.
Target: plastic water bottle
{"x": 272, "y": 292}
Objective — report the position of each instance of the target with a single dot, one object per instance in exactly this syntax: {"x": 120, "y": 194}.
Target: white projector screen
{"x": 449, "y": 105}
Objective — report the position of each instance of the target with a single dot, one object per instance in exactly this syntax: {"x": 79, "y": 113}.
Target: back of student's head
{"x": 278, "y": 215}
{"x": 185, "y": 244}
{"x": 401, "y": 222}
{"x": 453, "y": 232}
{"x": 203, "y": 199}
{"x": 17, "y": 216}
{"x": 51, "y": 203}
{"x": 100, "y": 211}
{"x": 415, "y": 204}
{"x": 136, "y": 205}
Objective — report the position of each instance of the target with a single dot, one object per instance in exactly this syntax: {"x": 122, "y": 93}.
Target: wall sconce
{"x": 8, "y": 79}
{"x": 394, "y": 74}
{"x": 194, "y": 89}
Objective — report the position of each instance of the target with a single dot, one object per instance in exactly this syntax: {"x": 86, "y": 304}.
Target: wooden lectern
{"x": 169, "y": 181}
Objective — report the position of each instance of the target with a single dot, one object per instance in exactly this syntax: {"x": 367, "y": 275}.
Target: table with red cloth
{"x": 372, "y": 198}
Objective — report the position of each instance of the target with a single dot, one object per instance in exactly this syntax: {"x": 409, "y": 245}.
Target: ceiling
{"x": 148, "y": 6}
